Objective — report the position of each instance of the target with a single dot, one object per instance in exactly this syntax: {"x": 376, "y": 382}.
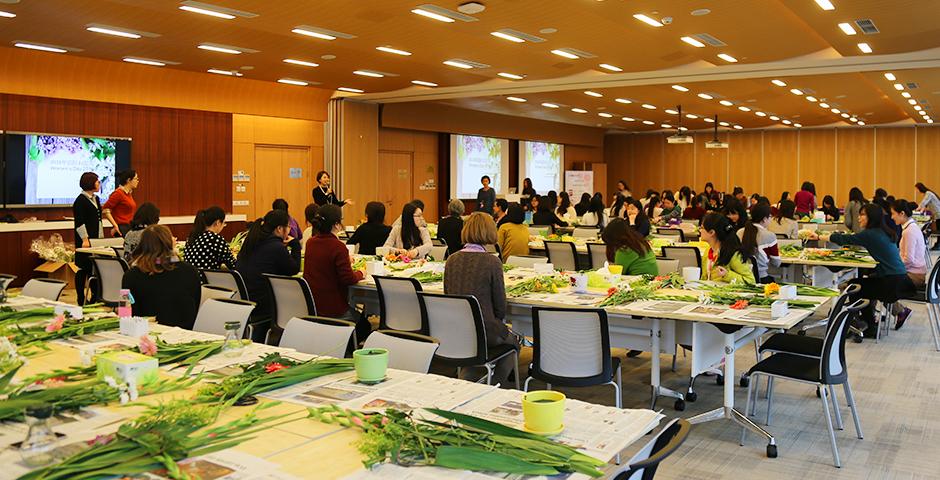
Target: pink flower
{"x": 273, "y": 367}
{"x": 405, "y": 259}
{"x": 147, "y": 346}
{"x": 356, "y": 420}
{"x": 56, "y": 324}
{"x": 101, "y": 440}
{"x": 385, "y": 421}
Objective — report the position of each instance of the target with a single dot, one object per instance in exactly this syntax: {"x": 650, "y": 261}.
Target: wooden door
{"x": 395, "y": 185}
{"x": 267, "y": 180}
{"x": 282, "y": 172}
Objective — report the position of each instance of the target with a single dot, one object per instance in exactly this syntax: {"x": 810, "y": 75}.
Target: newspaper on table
{"x": 80, "y": 424}
{"x": 398, "y": 472}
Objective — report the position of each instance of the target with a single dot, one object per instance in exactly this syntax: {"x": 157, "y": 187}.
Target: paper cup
{"x": 543, "y": 411}
{"x": 370, "y": 364}
{"x": 691, "y": 274}
{"x": 352, "y": 249}
{"x": 580, "y": 283}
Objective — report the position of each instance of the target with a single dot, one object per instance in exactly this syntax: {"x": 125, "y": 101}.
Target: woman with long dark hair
{"x": 829, "y": 209}
{"x": 371, "y": 234}
{"x": 694, "y": 211}
{"x": 146, "y": 215}
{"x": 760, "y": 243}
{"x": 735, "y": 212}
{"x": 724, "y": 261}
{"x": 595, "y": 214}
{"x": 582, "y": 207}
{"x": 684, "y": 199}
{"x": 527, "y": 190}
{"x": 930, "y": 204}
{"x": 617, "y": 209}
{"x": 565, "y": 210}
{"x": 636, "y": 217}
{"x": 205, "y": 248}
{"x": 879, "y": 240}
{"x": 268, "y": 248}
{"x": 784, "y": 222}
{"x": 411, "y": 237}
{"x": 853, "y": 209}
{"x": 626, "y": 247}
{"x": 543, "y": 213}
{"x": 805, "y": 199}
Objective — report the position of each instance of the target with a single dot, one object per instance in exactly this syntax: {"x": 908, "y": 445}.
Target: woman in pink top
{"x": 913, "y": 253}
{"x": 805, "y": 199}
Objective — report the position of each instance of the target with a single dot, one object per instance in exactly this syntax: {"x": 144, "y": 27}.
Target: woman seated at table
{"x": 760, "y": 243}
{"x": 329, "y": 272}
{"x": 309, "y": 213}
{"x": 653, "y": 207}
{"x": 281, "y": 204}
{"x": 543, "y": 212}
{"x": 411, "y": 237}
{"x": 852, "y": 209}
{"x": 913, "y": 248}
{"x": 724, "y": 261}
{"x": 878, "y": 239}
{"x": 162, "y": 285}
{"x": 146, "y": 215}
{"x": 595, "y": 215}
{"x": 637, "y": 218}
{"x": 735, "y": 212}
{"x": 618, "y": 209}
{"x": 473, "y": 271}
{"x": 449, "y": 227}
{"x": 565, "y": 211}
{"x": 512, "y": 236}
{"x": 829, "y": 209}
{"x": 784, "y": 222}
{"x": 205, "y": 248}
{"x": 694, "y": 211}
{"x": 671, "y": 210}
{"x": 268, "y": 248}
{"x": 374, "y": 233}
{"x": 626, "y": 247}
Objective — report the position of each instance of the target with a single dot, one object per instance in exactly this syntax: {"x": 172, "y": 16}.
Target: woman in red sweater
{"x": 329, "y": 272}
{"x": 120, "y": 207}
{"x": 805, "y": 199}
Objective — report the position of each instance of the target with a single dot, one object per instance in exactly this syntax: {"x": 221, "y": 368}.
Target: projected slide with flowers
{"x": 473, "y": 157}
{"x": 54, "y": 165}
{"x": 542, "y": 163}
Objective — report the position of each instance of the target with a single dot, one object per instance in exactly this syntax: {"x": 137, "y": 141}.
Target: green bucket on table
{"x": 544, "y": 411}
{"x": 370, "y": 364}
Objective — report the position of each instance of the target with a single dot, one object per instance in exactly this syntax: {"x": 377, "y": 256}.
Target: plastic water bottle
{"x": 38, "y": 448}
{"x": 528, "y": 217}
{"x": 124, "y": 307}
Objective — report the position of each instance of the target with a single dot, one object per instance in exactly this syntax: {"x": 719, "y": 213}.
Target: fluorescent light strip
{"x": 213, "y": 48}
{"x": 912, "y": 101}
{"x": 863, "y": 123}
{"x": 423, "y": 83}
{"x": 847, "y": 28}
{"x": 824, "y": 105}
{"x": 205, "y": 11}
{"x": 302, "y": 63}
{"x": 760, "y": 114}
{"x": 116, "y": 33}
{"x": 549, "y": 105}
{"x": 705, "y": 96}
{"x": 825, "y": 4}
{"x": 787, "y": 122}
{"x": 798, "y": 125}
{"x": 671, "y": 111}
{"x": 648, "y": 106}
{"x": 647, "y": 20}
{"x": 612, "y": 68}
{"x": 898, "y": 86}
{"x": 628, "y": 119}
{"x": 779, "y": 83}
{"x": 665, "y": 125}
{"x": 727, "y": 58}
{"x": 453, "y": 63}
{"x": 311, "y": 33}
{"x": 623, "y": 101}
{"x": 890, "y": 77}
{"x": 647, "y": 122}
{"x": 744, "y": 109}
{"x": 506, "y": 36}
{"x": 566, "y": 54}
{"x": 709, "y": 120}
{"x": 864, "y": 47}
{"x": 7, "y": 14}
{"x": 835, "y": 110}
{"x": 511, "y": 76}
{"x": 845, "y": 115}
{"x": 44, "y": 48}
{"x": 350, "y": 90}
{"x": 796, "y": 91}
{"x": 432, "y": 15}
{"x": 368, "y": 73}
{"x": 230, "y": 73}
{"x": 906, "y": 94}
{"x": 144, "y": 61}
{"x": 693, "y": 42}
{"x": 680, "y": 88}
{"x": 578, "y": 110}
{"x": 290, "y": 81}
{"x": 393, "y": 50}
{"x": 738, "y": 127}
{"x": 724, "y": 124}
{"x": 593, "y": 94}
{"x": 726, "y": 103}
{"x": 605, "y": 115}
{"x": 691, "y": 115}
{"x": 516, "y": 99}
{"x": 810, "y": 98}
{"x": 774, "y": 118}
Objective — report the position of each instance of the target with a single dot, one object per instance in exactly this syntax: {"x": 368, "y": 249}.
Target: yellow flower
{"x": 770, "y": 289}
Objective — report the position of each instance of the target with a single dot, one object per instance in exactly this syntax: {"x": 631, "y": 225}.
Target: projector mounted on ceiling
{"x": 679, "y": 137}
{"x": 714, "y": 142}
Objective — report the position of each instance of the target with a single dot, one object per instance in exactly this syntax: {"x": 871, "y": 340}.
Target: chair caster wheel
{"x": 719, "y": 379}
{"x": 771, "y": 451}
{"x": 817, "y": 393}
{"x": 801, "y": 333}
{"x": 679, "y": 405}
{"x": 857, "y": 338}
{"x": 745, "y": 381}
{"x": 691, "y": 396}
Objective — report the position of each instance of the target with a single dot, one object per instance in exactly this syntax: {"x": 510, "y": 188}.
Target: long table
{"x": 284, "y": 451}
{"x": 652, "y": 326}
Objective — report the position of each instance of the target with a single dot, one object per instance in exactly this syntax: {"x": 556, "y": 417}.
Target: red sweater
{"x": 329, "y": 273}
{"x": 805, "y": 202}
{"x": 121, "y": 205}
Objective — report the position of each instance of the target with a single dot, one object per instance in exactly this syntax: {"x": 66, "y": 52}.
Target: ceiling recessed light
{"x": 291, "y": 81}
{"x": 890, "y": 77}
{"x": 863, "y": 123}
{"x": 918, "y": 107}
{"x": 744, "y": 109}
{"x": 691, "y": 115}
{"x": 682, "y": 129}
{"x": 727, "y": 58}
{"x": 511, "y": 76}
{"x": 825, "y": 4}
{"x": 144, "y": 61}
{"x": 578, "y": 110}
{"x": 787, "y": 122}
{"x": 738, "y": 127}
{"x": 760, "y": 114}
{"x": 853, "y": 119}
{"x": 230, "y": 73}
{"x": 432, "y": 15}
{"x": 665, "y": 125}
{"x": 928, "y": 121}
{"x": 302, "y": 63}
{"x": 368, "y": 73}
{"x": 565, "y": 53}
{"x": 628, "y": 119}
{"x": 847, "y": 28}
{"x": 36, "y": 46}
{"x": 506, "y": 36}
{"x": 724, "y": 124}
{"x": 592, "y": 94}
{"x": 549, "y": 105}
{"x": 898, "y": 86}
{"x": 516, "y": 99}
{"x": 705, "y": 96}
{"x": 709, "y": 120}
{"x": 726, "y": 103}
{"x": 206, "y": 11}
{"x": 612, "y": 68}
{"x": 824, "y": 105}
{"x": 648, "y": 106}
{"x": 423, "y": 83}
{"x": 623, "y": 100}
{"x": 774, "y": 118}
{"x": 112, "y": 31}
{"x": 906, "y": 94}
{"x": 779, "y": 83}
{"x": 647, "y": 20}
{"x": 454, "y": 63}
{"x": 220, "y": 49}
{"x": 796, "y": 91}
{"x": 7, "y": 14}
{"x": 393, "y": 50}
{"x": 835, "y": 110}
{"x": 680, "y": 88}
{"x": 810, "y": 98}
{"x": 845, "y": 115}
{"x": 605, "y": 115}
{"x": 350, "y": 90}
{"x": 912, "y": 101}
{"x": 671, "y": 111}
{"x": 797, "y": 125}
{"x": 647, "y": 122}
{"x": 693, "y": 42}
{"x": 864, "y": 47}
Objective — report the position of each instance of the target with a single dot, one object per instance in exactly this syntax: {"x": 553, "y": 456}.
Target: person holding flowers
{"x": 724, "y": 261}
{"x": 760, "y": 243}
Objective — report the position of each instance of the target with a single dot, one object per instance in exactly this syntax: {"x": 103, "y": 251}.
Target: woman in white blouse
{"x": 411, "y": 236}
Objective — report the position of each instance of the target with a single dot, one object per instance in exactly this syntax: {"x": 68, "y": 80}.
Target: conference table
{"x": 715, "y": 332}
{"x": 285, "y": 451}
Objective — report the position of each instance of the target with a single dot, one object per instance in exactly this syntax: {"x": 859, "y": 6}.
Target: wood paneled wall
{"x": 773, "y": 161}
{"x": 422, "y": 146}
{"x": 183, "y": 157}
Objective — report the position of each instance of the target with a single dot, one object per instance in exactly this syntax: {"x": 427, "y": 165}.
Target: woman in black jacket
{"x": 268, "y": 248}
{"x": 374, "y": 232}
{"x": 87, "y": 213}
{"x": 450, "y": 227}
{"x": 543, "y": 213}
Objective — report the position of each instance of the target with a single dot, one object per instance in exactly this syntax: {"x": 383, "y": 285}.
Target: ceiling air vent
{"x": 580, "y": 53}
{"x": 447, "y": 13}
{"x": 867, "y": 26}
{"x": 911, "y": 85}
{"x": 706, "y": 38}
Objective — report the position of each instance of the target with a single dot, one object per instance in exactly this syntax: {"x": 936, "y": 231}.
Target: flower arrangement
{"x": 236, "y": 244}
{"x": 8, "y": 315}
{"x": 639, "y": 291}
{"x": 53, "y": 250}
{"x": 59, "y": 328}
{"x": 542, "y": 283}
{"x": 271, "y": 372}
{"x": 397, "y": 258}
{"x": 428, "y": 277}
{"x": 461, "y": 442}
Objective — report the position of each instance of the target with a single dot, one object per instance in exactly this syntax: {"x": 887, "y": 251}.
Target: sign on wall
{"x": 578, "y": 182}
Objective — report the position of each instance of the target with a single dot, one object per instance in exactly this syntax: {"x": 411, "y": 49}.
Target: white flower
{"x": 111, "y": 381}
